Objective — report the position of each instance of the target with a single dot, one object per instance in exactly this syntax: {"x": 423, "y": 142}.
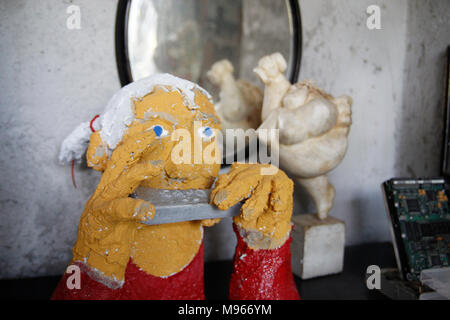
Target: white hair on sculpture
{"x": 76, "y": 143}
{"x": 118, "y": 114}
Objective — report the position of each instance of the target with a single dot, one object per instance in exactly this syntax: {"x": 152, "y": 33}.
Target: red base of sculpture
{"x": 262, "y": 274}
{"x": 257, "y": 275}
{"x": 188, "y": 284}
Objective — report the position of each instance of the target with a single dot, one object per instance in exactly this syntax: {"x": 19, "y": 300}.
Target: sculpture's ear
{"x": 97, "y": 155}
{"x": 344, "y": 106}
{"x": 346, "y": 100}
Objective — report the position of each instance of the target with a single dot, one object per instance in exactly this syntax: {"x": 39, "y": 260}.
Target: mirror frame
{"x": 123, "y": 63}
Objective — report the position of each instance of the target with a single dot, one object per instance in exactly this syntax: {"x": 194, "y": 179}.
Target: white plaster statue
{"x": 313, "y": 129}
{"x": 240, "y": 102}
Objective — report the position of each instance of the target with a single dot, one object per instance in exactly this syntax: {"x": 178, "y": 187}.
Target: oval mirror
{"x": 185, "y": 38}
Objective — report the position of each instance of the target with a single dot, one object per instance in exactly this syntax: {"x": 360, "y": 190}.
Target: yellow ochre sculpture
{"x": 134, "y": 146}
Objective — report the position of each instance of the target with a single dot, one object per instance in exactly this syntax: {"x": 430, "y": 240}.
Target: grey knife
{"x": 182, "y": 205}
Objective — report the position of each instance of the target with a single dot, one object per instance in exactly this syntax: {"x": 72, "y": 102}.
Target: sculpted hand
{"x": 110, "y": 216}
{"x": 265, "y": 216}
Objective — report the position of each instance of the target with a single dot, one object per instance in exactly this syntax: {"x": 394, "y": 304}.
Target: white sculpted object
{"x": 240, "y": 102}
{"x": 313, "y": 129}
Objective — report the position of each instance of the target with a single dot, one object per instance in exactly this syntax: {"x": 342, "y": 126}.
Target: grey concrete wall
{"x": 344, "y": 57}
{"x": 52, "y": 78}
{"x": 419, "y": 120}
{"x": 395, "y": 76}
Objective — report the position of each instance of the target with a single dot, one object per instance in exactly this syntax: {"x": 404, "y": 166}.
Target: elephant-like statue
{"x": 313, "y": 129}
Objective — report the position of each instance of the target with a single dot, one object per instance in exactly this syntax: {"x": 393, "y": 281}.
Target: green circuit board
{"x": 421, "y": 219}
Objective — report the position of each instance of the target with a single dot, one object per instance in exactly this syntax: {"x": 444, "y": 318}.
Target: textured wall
{"x": 395, "y": 76}
{"x": 52, "y": 78}
{"x": 344, "y": 57}
{"x": 419, "y": 120}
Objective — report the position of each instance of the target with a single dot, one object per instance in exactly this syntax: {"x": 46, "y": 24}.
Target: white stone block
{"x": 317, "y": 246}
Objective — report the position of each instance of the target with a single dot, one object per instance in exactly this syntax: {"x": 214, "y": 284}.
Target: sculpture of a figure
{"x": 240, "y": 102}
{"x": 313, "y": 129}
{"x": 134, "y": 146}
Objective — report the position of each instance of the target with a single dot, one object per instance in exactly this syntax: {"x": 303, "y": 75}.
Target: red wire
{"x": 73, "y": 174}
{"x": 73, "y": 161}
{"x": 92, "y": 122}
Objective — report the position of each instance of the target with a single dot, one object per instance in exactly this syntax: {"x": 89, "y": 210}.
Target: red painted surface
{"x": 91, "y": 124}
{"x": 262, "y": 274}
{"x": 257, "y": 275}
{"x": 188, "y": 284}
{"x": 73, "y": 174}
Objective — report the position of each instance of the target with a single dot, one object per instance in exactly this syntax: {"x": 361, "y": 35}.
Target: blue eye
{"x": 158, "y": 130}
{"x": 208, "y": 132}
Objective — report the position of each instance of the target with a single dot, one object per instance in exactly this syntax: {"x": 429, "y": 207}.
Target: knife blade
{"x": 182, "y": 205}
